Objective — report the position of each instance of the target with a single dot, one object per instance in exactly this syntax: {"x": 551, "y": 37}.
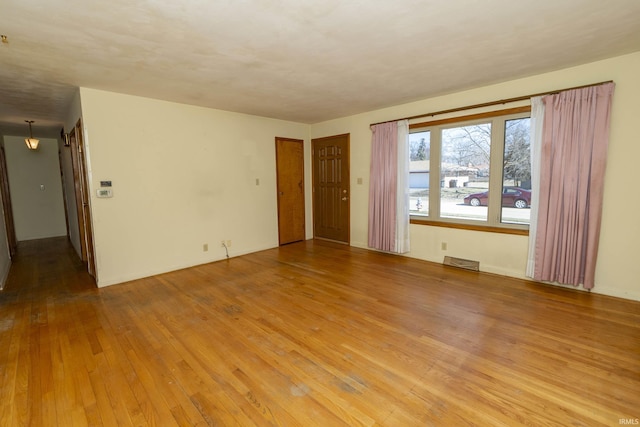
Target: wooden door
{"x": 6, "y": 205}
{"x": 86, "y": 210}
{"x": 290, "y": 183}
{"x": 77, "y": 184}
{"x": 79, "y": 165}
{"x": 331, "y": 189}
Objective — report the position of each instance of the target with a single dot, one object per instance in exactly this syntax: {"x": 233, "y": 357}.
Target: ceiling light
{"x": 32, "y": 143}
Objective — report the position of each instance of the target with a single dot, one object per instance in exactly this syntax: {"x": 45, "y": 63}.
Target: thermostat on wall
{"x": 105, "y": 192}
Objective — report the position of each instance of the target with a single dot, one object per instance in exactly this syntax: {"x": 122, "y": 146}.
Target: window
{"x": 419, "y": 166}
{"x": 474, "y": 170}
{"x": 516, "y": 172}
{"x": 464, "y": 169}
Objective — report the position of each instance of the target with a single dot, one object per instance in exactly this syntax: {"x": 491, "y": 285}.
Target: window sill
{"x": 486, "y": 228}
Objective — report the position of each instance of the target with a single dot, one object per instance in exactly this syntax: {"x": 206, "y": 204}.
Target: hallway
{"x": 39, "y": 267}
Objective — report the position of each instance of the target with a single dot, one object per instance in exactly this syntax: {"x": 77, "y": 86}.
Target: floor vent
{"x": 466, "y": 264}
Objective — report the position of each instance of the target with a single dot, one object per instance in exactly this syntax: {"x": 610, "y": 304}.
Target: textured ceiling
{"x": 298, "y": 60}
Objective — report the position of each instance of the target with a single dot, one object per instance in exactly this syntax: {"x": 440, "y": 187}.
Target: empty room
{"x": 304, "y": 213}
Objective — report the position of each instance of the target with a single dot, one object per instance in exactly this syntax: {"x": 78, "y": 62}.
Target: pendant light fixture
{"x": 32, "y": 143}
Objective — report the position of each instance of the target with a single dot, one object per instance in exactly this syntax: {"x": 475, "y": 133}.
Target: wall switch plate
{"x": 104, "y": 193}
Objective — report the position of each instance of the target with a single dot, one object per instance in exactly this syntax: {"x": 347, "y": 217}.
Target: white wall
{"x": 37, "y": 213}
{"x": 182, "y": 176}
{"x": 618, "y": 269}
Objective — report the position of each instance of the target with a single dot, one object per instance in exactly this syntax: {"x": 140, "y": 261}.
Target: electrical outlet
{"x": 228, "y": 243}
{"x": 205, "y": 247}
{"x": 443, "y": 246}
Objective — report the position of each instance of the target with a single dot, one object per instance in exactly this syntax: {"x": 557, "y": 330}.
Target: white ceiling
{"x": 298, "y": 60}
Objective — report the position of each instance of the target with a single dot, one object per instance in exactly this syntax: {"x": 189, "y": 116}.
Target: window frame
{"x": 493, "y": 223}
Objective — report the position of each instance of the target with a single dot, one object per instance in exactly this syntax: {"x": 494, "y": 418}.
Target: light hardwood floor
{"x": 310, "y": 334}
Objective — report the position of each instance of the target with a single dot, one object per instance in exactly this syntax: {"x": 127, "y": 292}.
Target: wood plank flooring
{"x": 309, "y": 334}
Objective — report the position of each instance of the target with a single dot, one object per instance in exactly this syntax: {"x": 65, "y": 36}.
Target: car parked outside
{"x": 511, "y": 197}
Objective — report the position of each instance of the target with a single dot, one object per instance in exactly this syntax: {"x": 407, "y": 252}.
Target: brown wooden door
{"x": 331, "y": 190}
{"x": 6, "y": 205}
{"x": 290, "y": 183}
{"x": 77, "y": 184}
{"x": 86, "y": 210}
{"x": 78, "y": 162}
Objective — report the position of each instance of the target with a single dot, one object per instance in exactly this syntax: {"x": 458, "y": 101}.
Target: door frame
{"x": 64, "y": 190}
{"x": 77, "y": 185}
{"x": 83, "y": 208}
{"x": 314, "y": 184}
{"x": 7, "y": 208}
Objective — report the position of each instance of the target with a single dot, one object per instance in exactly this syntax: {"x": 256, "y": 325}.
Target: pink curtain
{"x": 383, "y": 186}
{"x": 573, "y": 161}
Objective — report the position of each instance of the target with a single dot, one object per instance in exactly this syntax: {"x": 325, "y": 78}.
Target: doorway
{"x": 331, "y": 188}
{"x": 290, "y": 186}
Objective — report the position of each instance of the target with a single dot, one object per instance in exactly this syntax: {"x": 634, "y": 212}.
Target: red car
{"x": 511, "y": 197}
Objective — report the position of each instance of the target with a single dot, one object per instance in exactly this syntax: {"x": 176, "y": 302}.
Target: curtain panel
{"x": 572, "y": 168}
{"x": 537, "y": 120}
{"x": 388, "y": 188}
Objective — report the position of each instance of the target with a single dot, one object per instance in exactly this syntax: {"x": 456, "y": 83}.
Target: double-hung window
{"x": 472, "y": 171}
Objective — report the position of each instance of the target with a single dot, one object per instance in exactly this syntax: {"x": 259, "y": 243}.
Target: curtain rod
{"x": 489, "y": 104}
